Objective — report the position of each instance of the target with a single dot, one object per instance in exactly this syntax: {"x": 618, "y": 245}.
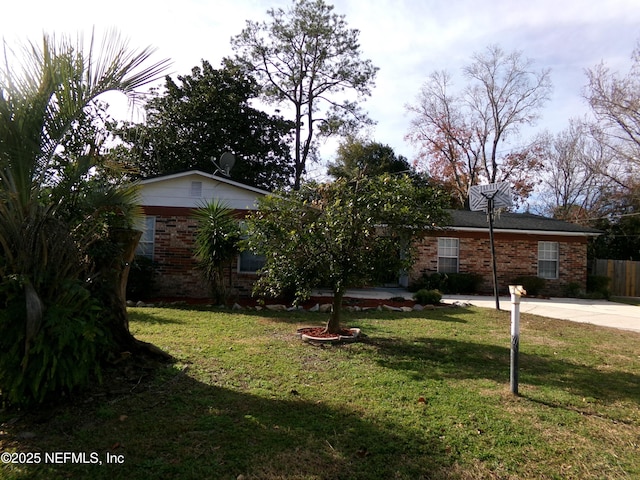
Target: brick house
{"x": 167, "y": 203}
{"x": 526, "y": 245}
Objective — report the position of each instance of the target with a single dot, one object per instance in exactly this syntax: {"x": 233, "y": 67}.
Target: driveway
{"x": 597, "y": 312}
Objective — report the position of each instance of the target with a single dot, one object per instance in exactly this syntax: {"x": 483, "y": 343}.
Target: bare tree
{"x": 306, "y": 57}
{"x": 615, "y": 102}
{"x": 464, "y": 137}
{"x": 576, "y": 180}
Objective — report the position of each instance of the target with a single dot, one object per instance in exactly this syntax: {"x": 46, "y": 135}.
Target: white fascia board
{"x": 525, "y": 232}
{"x": 211, "y": 176}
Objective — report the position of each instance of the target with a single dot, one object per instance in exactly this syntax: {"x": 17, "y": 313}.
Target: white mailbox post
{"x": 516, "y": 292}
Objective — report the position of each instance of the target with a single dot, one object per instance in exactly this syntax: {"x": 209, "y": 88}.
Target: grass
{"x": 627, "y": 300}
{"x": 424, "y": 395}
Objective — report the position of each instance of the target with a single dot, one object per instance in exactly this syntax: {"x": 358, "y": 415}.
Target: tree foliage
{"x": 358, "y": 157}
{"x": 307, "y": 58}
{"x": 339, "y": 235}
{"x": 202, "y": 115}
{"x": 471, "y": 136}
{"x": 55, "y": 212}
{"x": 621, "y": 227}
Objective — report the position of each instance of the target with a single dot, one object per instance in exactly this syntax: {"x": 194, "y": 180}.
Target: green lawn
{"x": 424, "y": 395}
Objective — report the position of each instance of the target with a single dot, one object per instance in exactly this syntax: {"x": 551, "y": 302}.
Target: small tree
{"x": 337, "y": 234}
{"x": 217, "y": 240}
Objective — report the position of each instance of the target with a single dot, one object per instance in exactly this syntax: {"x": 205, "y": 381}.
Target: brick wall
{"x": 516, "y": 255}
{"x": 176, "y": 272}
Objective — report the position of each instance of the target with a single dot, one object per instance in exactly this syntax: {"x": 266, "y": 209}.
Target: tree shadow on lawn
{"x": 442, "y": 358}
{"x": 450, "y": 315}
{"x": 149, "y": 317}
{"x": 186, "y": 429}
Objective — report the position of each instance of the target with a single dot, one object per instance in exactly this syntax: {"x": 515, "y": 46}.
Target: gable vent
{"x": 196, "y": 189}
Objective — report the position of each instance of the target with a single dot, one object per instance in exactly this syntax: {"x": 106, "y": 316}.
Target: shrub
{"x": 573, "y": 290}
{"x": 140, "y": 281}
{"x": 461, "y": 283}
{"x": 426, "y": 281}
{"x": 533, "y": 285}
{"x": 61, "y": 356}
{"x": 428, "y": 297}
{"x": 448, "y": 282}
{"x": 598, "y": 286}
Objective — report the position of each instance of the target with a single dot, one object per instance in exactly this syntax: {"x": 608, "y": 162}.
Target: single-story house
{"x": 525, "y": 244}
{"x": 168, "y": 202}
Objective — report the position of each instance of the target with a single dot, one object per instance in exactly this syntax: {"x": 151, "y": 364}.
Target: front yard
{"x": 424, "y": 395}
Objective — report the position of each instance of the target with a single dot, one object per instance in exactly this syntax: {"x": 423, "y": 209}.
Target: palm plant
{"x": 44, "y": 92}
{"x": 216, "y": 241}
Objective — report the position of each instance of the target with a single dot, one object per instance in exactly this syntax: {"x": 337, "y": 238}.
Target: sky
{"x": 406, "y": 39}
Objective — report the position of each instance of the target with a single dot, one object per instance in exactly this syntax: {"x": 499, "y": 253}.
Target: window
{"x": 250, "y": 263}
{"x": 548, "y": 260}
{"x": 247, "y": 261}
{"x": 448, "y": 253}
{"x": 145, "y": 245}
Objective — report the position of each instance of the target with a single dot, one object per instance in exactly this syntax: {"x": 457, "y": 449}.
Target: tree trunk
{"x": 333, "y": 325}
{"x": 114, "y": 284}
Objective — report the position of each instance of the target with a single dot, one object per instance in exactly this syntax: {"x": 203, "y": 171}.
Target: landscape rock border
{"x": 317, "y": 308}
{"x": 355, "y": 334}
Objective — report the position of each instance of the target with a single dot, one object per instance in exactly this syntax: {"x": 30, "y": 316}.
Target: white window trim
{"x": 151, "y": 219}
{"x": 556, "y": 259}
{"x": 457, "y": 256}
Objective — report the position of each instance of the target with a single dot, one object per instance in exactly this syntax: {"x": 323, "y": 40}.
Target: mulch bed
{"x": 253, "y": 302}
{"x": 318, "y": 332}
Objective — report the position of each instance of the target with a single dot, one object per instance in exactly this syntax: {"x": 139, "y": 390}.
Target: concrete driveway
{"x": 597, "y": 312}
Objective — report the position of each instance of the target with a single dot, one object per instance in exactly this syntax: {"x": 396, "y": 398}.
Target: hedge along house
{"x": 168, "y": 203}
{"x": 526, "y": 245}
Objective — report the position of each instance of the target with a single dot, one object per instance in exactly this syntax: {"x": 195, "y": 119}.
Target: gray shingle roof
{"x": 516, "y": 221}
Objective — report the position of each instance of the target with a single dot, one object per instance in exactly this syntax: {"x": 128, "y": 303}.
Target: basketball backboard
{"x": 479, "y": 196}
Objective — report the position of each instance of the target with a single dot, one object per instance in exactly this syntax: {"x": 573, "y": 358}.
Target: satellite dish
{"x": 227, "y": 161}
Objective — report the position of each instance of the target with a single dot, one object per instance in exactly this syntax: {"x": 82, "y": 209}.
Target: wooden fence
{"x": 624, "y": 275}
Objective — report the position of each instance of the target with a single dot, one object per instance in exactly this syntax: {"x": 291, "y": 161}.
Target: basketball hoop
{"x": 500, "y": 193}
{"x": 492, "y": 199}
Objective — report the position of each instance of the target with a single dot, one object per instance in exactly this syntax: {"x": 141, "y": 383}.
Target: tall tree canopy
{"x": 203, "y": 115}
{"x": 357, "y": 157}
{"x": 464, "y": 137}
{"x": 58, "y": 219}
{"x": 305, "y": 57}
{"x": 339, "y": 234}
